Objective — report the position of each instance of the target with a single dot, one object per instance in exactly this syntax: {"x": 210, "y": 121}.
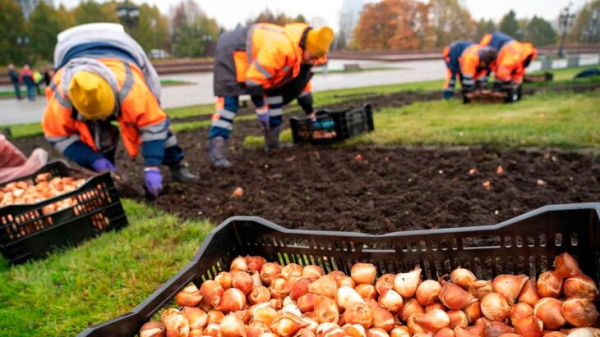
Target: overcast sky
{"x": 229, "y": 12}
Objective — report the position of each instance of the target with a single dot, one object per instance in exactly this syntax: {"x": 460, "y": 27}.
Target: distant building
{"x": 350, "y": 14}
{"x": 29, "y": 5}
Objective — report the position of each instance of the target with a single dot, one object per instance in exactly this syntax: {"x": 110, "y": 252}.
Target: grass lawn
{"x": 99, "y": 280}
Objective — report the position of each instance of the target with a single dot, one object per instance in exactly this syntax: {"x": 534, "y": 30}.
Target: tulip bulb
{"x": 312, "y": 324}
{"x": 232, "y": 326}
{"x": 385, "y": 281}
{"x": 188, "y": 297}
{"x": 581, "y": 286}
{"x": 406, "y": 284}
{"x": 363, "y": 273}
{"x": 175, "y": 323}
{"x": 280, "y": 288}
{"x": 529, "y": 294}
{"x": 233, "y": 299}
{"x": 460, "y": 332}
{"x": 549, "y": 284}
{"x": 433, "y": 321}
{"x": 495, "y": 329}
{"x": 346, "y": 281}
{"x": 300, "y": 288}
{"x": 153, "y": 329}
{"x": 325, "y": 327}
{"x": 259, "y": 295}
{"x": 579, "y": 312}
{"x": 242, "y": 281}
{"x": 509, "y": 285}
{"x": 473, "y": 312}
{"x": 462, "y": 277}
{"x": 336, "y": 274}
{"x": 582, "y": 332}
{"x": 481, "y": 288}
{"x": 382, "y": 318}
{"x": 213, "y": 330}
{"x": 287, "y": 324}
{"x": 214, "y": 316}
{"x": 224, "y": 278}
{"x": 479, "y": 327}
{"x": 197, "y": 319}
{"x": 410, "y": 307}
{"x": 347, "y": 296}
{"x": 455, "y": 297}
{"x": 239, "y": 264}
{"x": 211, "y": 292}
{"x": 428, "y": 292}
{"x": 269, "y": 272}
{"x": 255, "y": 263}
{"x": 495, "y": 307}
{"x": 390, "y": 300}
{"x": 306, "y": 302}
{"x": 555, "y": 334}
{"x": 276, "y": 303}
{"x": 566, "y": 266}
{"x": 324, "y": 286}
{"x": 291, "y": 270}
{"x": 435, "y": 305}
{"x": 312, "y": 272}
{"x": 377, "y": 332}
{"x": 509, "y": 334}
{"x": 359, "y": 313}
{"x": 529, "y": 327}
{"x": 445, "y": 332}
{"x": 333, "y": 332}
{"x": 366, "y": 291}
{"x": 304, "y": 332}
{"x": 326, "y": 310}
{"x": 256, "y": 329}
{"x": 520, "y": 311}
{"x": 355, "y": 330}
{"x": 457, "y": 318}
{"x": 264, "y": 315}
{"x": 549, "y": 311}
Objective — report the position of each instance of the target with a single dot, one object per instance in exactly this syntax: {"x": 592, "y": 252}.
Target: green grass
{"x": 99, "y": 280}
{"x": 173, "y": 82}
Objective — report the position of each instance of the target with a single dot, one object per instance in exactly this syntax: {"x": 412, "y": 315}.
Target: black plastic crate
{"x": 526, "y": 244}
{"x": 332, "y": 126}
{"x": 29, "y": 231}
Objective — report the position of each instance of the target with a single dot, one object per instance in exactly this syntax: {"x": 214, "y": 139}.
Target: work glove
{"x": 448, "y": 94}
{"x": 102, "y": 165}
{"x": 153, "y": 180}
{"x": 262, "y": 114}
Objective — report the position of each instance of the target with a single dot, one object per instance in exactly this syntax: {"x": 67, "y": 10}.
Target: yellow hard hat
{"x": 318, "y": 41}
{"x": 91, "y": 95}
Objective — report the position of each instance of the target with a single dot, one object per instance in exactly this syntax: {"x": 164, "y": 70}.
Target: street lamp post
{"x": 565, "y": 20}
{"x": 129, "y": 14}
{"x": 23, "y": 42}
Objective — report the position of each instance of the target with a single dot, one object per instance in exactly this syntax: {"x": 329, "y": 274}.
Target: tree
{"x": 152, "y": 29}
{"x": 12, "y": 26}
{"x": 450, "y": 21}
{"x": 43, "y": 27}
{"x": 64, "y": 17}
{"x": 540, "y": 32}
{"x": 483, "y": 27}
{"x": 266, "y": 16}
{"x": 393, "y": 24}
{"x": 510, "y": 26}
{"x": 90, "y": 11}
{"x": 194, "y": 32}
{"x": 586, "y": 27}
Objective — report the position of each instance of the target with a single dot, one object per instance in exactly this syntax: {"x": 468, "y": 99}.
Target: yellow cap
{"x": 318, "y": 41}
{"x": 91, "y": 95}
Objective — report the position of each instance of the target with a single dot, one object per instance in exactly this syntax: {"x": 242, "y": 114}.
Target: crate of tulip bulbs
{"x": 533, "y": 276}
{"x": 57, "y": 206}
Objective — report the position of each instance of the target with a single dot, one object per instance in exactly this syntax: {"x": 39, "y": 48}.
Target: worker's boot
{"x": 217, "y": 148}
{"x": 272, "y": 142}
{"x": 182, "y": 174}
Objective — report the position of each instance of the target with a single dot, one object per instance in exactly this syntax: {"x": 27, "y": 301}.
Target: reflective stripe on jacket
{"x": 139, "y": 115}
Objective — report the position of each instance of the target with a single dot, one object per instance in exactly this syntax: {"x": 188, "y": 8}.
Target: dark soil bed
{"x": 390, "y": 189}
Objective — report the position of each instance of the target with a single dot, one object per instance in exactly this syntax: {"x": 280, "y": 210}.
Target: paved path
{"x": 13, "y": 111}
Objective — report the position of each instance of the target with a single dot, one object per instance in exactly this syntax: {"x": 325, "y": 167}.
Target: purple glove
{"x": 103, "y": 164}
{"x": 262, "y": 114}
{"x": 153, "y": 180}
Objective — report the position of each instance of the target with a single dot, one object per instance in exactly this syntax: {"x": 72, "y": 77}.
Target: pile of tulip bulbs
{"x": 257, "y": 298}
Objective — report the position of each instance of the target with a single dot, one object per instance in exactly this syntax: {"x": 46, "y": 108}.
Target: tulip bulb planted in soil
{"x": 256, "y": 298}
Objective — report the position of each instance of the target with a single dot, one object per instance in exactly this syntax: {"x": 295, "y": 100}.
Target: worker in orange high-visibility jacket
{"x": 469, "y": 63}
{"x": 90, "y": 93}
{"x": 273, "y": 65}
{"x": 513, "y": 58}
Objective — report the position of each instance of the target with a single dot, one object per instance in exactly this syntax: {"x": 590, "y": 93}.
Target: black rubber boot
{"x": 182, "y": 174}
{"x": 217, "y": 148}
{"x": 272, "y": 142}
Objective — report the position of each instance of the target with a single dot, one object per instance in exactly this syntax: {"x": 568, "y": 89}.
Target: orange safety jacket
{"x": 510, "y": 64}
{"x": 139, "y": 114}
{"x": 272, "y": 57}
